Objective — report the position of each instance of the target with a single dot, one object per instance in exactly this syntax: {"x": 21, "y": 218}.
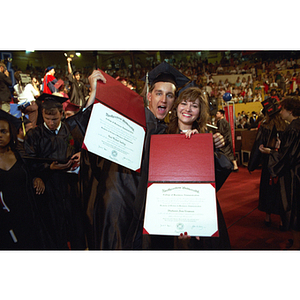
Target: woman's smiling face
{"x": 187, "y": 112}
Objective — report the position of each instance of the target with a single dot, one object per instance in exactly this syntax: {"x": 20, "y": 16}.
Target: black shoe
{"x": 289, "y": 243}
{"x": 282, "y": 228}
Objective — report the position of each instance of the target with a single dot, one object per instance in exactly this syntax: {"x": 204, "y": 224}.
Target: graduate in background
{"x": 285, "y": 163}
{"x": 54, "y": 150}
{"x": 270, "y": 127}
{"x": 20, "y": 224}
{"x": 78, "y": 92}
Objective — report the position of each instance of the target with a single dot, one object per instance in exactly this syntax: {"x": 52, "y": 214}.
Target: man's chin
{"x": 161, "y": 115}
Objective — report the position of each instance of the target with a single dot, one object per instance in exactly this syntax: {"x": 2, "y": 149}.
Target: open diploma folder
{"x": 116, "y": 128}
{"x": 181, "y": 195}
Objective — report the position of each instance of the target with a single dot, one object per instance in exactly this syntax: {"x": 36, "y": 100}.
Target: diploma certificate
{"x": 114, "y": 137}
{"x": 173, "y": 208}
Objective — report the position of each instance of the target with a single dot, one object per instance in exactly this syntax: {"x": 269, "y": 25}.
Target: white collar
{"x": 56, "y": 130}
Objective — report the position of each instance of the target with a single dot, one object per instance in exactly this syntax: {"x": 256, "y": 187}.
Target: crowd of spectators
{"x": 255, "y": 78}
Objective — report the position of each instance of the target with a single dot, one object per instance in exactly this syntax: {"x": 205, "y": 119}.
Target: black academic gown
{"x": 77, "y": 91}
{"x": 21, "y": 227}
{"x": 60, "y": 205}
{"x": 113, "y": 195}
{"x": 286, "y": 165}
{"x": 269, "y": 192}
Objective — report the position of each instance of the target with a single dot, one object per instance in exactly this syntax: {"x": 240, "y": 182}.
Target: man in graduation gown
{"x": 52, "y": 151}
{"x": 114, "y": 196}
{"x": 78, "y": 91}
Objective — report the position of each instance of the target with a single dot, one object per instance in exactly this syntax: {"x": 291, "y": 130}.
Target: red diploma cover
{"x": 181, "y": 195}
{"x": 117, "y": 125}
{"x": 121, "y": 99}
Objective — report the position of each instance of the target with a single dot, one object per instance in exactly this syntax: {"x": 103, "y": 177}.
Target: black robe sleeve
{"x": 223, "y": 168}
{"x": 256, "y": 156}
{"x": 44, "y": 147}
{"x": 80, "y": 120}
{"x": 286, "y": 165}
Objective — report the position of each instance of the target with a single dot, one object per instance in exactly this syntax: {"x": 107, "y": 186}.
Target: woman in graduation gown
{"x": 285, "y": 163}
{"x": 20, "y": 224}
{"x": 189, "y": 115}
{"x": 271, "y": 126}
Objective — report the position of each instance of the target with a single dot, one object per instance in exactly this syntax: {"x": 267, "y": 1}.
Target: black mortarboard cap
{"x": 71, "y": 54}
{"x": 10, "y": 118}
{"x": 166, "y": 73}
{"x": 271, "y": 106}
{"x": 191, "y": 84}
{"x": 50, "y": 101}
{"x": 50, "y": 97}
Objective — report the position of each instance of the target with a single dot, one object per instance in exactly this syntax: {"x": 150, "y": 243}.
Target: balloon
{"x": 227, "y": 97}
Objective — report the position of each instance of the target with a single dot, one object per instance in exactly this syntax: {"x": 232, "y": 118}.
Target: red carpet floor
{"x": 238, "y": 199}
